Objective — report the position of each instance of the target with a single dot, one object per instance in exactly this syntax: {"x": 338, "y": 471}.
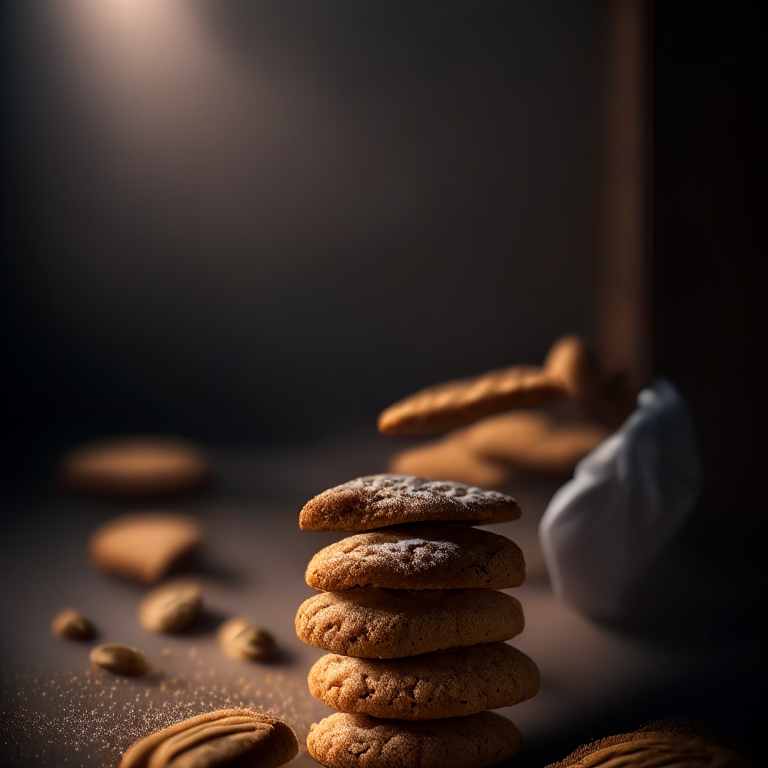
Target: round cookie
{"x": 456, "y": 403}
{"x": 134, "y": 467}
{"x": 226, "y": 736}
{"x": 144, "y": 546}
{"x": 679, "y": 742}
{"x": 419, "y": 557}
{"x": 452, "y": 683}
{"x": 376, "y": 501}
{"x": 384, "y": 624}
{"x": 359, "y": 741}
{"x": 450, "y": 458}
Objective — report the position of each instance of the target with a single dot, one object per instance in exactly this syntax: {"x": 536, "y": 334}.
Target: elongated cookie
{"x": 451, "y": 683}
{"x": 359, "y": 741}
{"x": 456, "y": 403}
{"x": 223, "y": 737}
{"x": 384, "y": 624}
{"x": 419, "y": 557}
{"x": 376, "y": 501}
{"x": 135, "y": 466}
{"x": 535, "y": 442}
{"x": 450, "y": 458}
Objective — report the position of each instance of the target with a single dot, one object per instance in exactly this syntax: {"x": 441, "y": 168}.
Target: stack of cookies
{"x": 415, "y": 625}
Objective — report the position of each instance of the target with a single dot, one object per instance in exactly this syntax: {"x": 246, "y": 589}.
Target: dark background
{"x": 255, "y": 222}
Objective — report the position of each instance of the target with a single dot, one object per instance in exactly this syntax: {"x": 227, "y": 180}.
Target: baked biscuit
{"x": 450, "y": 458}
{"x": 376, "y": 501}
{"x": 456, "y": 403}
{"x": 419, "y": 557}
{"x": 383, "y": 624}
{"x": 452, "y": 683}
{"x": 144, "y": 546}
{"x": 223, "y": 737}
{"x": 569, "y": 360}
{"x": 535, "y": 442}
{"x": 359, "y": 741}
{"x": 678, "y": 742}
{"x": 135, "y": 466}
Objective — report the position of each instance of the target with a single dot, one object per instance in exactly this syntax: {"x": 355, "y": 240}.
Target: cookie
{"x": 383, "y": 624}
{"x": 419, "y": 557}
{"x": 456, "y": 403}
{"x": 223, "y": 737}
{"x": 450, "y": 459}
{"x": 570, "y": 361}
{"x": 452, "y": 683}
{"x": 678, "y": 742}
{"x": 359, "y": 741}
{"x": 376, "y": 501}
{"x": 535, "y": 442}
{"x": 134, "y": 467}
{"x": 144, "y": 546}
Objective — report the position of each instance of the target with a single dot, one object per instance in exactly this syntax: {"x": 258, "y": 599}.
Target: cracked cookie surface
{"x": 359, "y": 741}
{"x": 451, "y": 683}
{"x": 377, "y": 501}
{"x": 419, "y": 557}
{"x": 390, "y": 624}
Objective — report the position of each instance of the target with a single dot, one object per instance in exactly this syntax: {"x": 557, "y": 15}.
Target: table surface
{"x": 695, "y": 652}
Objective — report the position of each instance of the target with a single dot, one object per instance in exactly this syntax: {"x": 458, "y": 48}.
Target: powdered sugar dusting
{"x": 417, "y": 557}
{"x": 413, "y": 555}
{"x": 390, "y": 485}
{"x": 378, "y": 501}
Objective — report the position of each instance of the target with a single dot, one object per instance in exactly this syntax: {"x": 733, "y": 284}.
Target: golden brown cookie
{"x": 456, "y": 403}
{"x": 224, "y": 737}
{"x": 451, "y": 683}
{"x": 359, "y": 741}
{"x": 384, "y": 624}
{"x": 570, "y": 360}
{"x": 376, "y": 501}
{"x": 144, "y": 546}
{"x": 535, "y": 442}
{"x": 419, "y": 557}
{"x": 678, "y": 742}
{"x": 450, "y": 458}
{"x": 134, "y": 467}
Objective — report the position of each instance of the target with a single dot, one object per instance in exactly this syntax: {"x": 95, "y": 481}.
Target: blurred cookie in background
{"x": 678, "y": 742}
{"x": 593, "y": 392}
{"x": 135, "y": 466}
{"x": 451, "y": 458}
{"x": 145, "y": 546}
{"x": 520, "y": 419}
{"x": 534, "y": 441}
{"x": 570, "y": 361}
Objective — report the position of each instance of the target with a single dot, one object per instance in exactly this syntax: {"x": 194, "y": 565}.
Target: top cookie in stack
{"x": 416, "y": 627}
{"x": 376, "y": 501}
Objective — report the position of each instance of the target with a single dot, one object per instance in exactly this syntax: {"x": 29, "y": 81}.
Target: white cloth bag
{"x": 602, "y": 530}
